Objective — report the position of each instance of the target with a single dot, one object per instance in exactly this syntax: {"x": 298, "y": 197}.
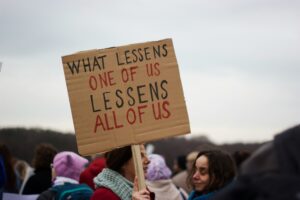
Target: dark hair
{"x": 43, "y": 156}
{"x": 181, "y": 162}
{"x": 239, "y": 157}
{"x": 10, "y": 185}
{"x": 117, "y": 158}
{"x": 221, "y": 169}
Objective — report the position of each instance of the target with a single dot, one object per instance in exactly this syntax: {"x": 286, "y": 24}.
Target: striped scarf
{"x": 115, "y": 182}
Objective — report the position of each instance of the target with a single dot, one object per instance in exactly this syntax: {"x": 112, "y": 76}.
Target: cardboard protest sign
{"x": 125, "y": 95}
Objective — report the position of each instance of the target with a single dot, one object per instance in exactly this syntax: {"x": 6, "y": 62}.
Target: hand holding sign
{"x": 125, "y": 96}
{"x": 137, "y": 194}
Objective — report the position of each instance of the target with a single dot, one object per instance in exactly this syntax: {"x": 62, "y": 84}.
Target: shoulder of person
{"x": 47, "y": 195}
{"x": 104, "y": 193}
{"x": 72, "y": 191}
{"x": 184, "y": 195}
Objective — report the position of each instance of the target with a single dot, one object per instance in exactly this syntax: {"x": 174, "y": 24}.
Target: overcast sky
{"x": 239, "y": 59}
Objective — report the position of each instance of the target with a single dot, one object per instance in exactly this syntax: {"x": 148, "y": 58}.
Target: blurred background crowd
{"x": 258, "y": 174}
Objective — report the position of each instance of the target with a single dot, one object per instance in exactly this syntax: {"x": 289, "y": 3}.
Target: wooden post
{"x": 138, "y": 165}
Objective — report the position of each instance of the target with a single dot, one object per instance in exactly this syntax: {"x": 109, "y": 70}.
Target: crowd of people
{"x": 271, "y": 172}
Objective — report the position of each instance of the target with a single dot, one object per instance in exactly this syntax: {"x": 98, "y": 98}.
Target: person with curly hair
{"x": 212, "y": 170}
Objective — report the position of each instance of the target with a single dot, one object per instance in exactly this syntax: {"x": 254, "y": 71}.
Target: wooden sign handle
{"x": 138, "y": 165}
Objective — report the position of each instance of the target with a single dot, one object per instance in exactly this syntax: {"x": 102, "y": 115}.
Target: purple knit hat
{"x": 157, "y": 169}
{"x": 69, "y": 164}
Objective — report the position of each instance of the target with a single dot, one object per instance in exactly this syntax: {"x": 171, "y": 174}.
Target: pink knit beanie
{"x": 157, "y": 168}
{"x": 69, "y": 164}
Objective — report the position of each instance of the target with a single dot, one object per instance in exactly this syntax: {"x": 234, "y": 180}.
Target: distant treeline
{"x": 22, "y": 143}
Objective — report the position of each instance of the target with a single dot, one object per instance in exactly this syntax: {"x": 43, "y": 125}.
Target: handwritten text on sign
{"x": 131, "y": 86}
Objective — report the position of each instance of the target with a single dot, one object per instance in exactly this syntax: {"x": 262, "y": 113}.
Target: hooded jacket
{"x": 271, "y": 173}
{"x": 92, "y": 171}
